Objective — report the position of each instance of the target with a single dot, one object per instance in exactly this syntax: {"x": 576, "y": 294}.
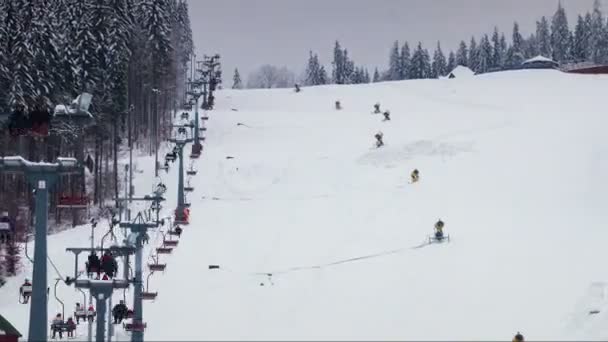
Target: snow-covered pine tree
{"x": 322, "y": 79}
{"x": 560, "y": 35}
{"x": 462, "y": 54}
{"x": 338, "y": 64}
{"x": 394, "y": 63}
{"x": 236, "y": 80}
{"x": 421, "y": 65}
{"x": 531, "y": 46}
{"x": 581, "y": 40}
{"x": 503, "y": 49}
{"x": 451, "y": 62}
{"x": 376, "y": 77}
{"x": 515, "y": 53}
{"x": 496, "y": 53}
{"x": 543, "y": 37}
{"x": 473, "y": 55}
{"x": 12, "y": 258}
{"x": 405, "y": 61}
{"x": 597, "y": 36}
{"x": 366, "y": 78}
{"x": 86, "y": 45}
{"x": 349, "y": 68}
{"x": 485, "y": 54}
{"x": 439, "y": 65}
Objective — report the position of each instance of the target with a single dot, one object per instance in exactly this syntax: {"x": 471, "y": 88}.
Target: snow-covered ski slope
{"x": 514, "y": 163}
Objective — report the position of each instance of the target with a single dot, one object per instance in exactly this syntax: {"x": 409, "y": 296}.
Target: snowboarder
{"x": 377, "y": 108}
{"x": 439, "y": 230}
{"x": 415, "y": 176}
{"x": 297, "y": 88}
{"x": 57, "y": 326}
{"x": 338, "y": 105}
{"x": 119, "y": 312}
{"x": 26, "y": 291}
{"x": 518, "y": 337}
{"x": 93, "y": 265}
{"x": 387, "y": 115}
{"x": 379, "y": 141}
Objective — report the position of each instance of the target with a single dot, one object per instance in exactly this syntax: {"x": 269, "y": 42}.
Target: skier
{"x": 439, "y": 230}
{"x": 377, "y": 108}
{"x": 415, "y": 176}
{"x": 518, "y": 337}
{"x": 57, "y": 326}
{"x": 387, "y": 115}
{"x": 26, "y": 291}
{"x": 379, "y": 141}
{"x": 119, "y": 312}
{"x": 338, "y": 105}
{"x": 297, "y": 88}
{"x": 93, "y": 265}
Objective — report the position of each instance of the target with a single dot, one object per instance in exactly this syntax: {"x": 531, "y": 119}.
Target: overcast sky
{"x": 249, "y": 33}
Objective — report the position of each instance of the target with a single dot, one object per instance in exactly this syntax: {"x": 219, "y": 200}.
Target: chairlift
{"x": 170, "y": 157}
{"x": 188, "y": 188}
{"x": 176, "y": 231}
{"x": 169, "y": 242}
{"x": 147, "y": 295}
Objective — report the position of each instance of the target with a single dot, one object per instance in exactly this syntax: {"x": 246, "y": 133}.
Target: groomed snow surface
{"x": 514, "y": 163}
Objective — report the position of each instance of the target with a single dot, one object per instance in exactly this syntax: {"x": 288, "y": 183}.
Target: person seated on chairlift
{"x": 71, "y": 326}
{"x": 79, "y": 312}
{"x": 93, "y": 264}
{"x": 108, "y": 264}
{"x": 57, "y": 325}
{"x": 26, "y": 293}
{"x": 120, "y": 312}
{"x": 439, "y": 230}
{"x": 178, "y": 230}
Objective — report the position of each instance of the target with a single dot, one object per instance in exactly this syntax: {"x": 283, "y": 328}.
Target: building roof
{"x": 539, "y": 58}
{"x": 8, "y": 328}
{"x": 462, "y": 71}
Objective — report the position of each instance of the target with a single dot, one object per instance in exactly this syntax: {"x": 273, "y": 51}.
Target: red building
{"x": 8, "y": 333}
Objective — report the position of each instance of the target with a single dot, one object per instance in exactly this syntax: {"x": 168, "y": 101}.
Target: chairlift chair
{"x": 191, "y": 172}
{"x": 164, "y": 250}
{"x": 147, "y": 295}
{"x": 134, "y": 327}
{"x": 73, "y": 202}
{"x": 185, "y": 115}
{"x": 157, "y": 267}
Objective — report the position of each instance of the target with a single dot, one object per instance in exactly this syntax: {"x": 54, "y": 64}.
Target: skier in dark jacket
{"x": 119, "y": 312}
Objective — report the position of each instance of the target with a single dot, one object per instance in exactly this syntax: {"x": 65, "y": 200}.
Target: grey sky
{"x": 249, "y": 33}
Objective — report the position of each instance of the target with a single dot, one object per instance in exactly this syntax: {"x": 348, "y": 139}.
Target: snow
{"x": 514, "y": 163}
{"x": 539, "y": 58}
{"x": 462, "y": 71}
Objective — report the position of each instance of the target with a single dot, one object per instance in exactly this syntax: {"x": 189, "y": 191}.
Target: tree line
{"x": 553, "y": 38}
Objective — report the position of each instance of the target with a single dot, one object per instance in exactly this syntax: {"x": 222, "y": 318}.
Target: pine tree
{"x": 376, "y": 77}
{"x": 462, "y": 55}
{"x": 236, "y": 80}
{"x": 485, "y": 55}
{"x": 439, "y": 66}
{"x": 366, "y": 78}
{"x": 531, "y": 47}
{"x": 322, "y": 79}
{"x": 405, "y": 61}
{"x": 312, "y": 70}
{"x": 338, "y": 65}
{"x": 515, "y": 53}
{"x": 497, "y": 53}
{"x": 394, "y": 63}
{"x": 543, "y": 37}
{"x": 581, "y": 40}
{"x": 560, "y": 35}
{"x": 12, "y": 258}
{"x": 451, "y": 62}
{"x": 597, "y": 36}
{"x": 503, "y": 49}
{"x": 349, "y": 68}
{"x": 473, "y": 55}
{"x": 421, "y": 66}
{"x": 85, "y": 53}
